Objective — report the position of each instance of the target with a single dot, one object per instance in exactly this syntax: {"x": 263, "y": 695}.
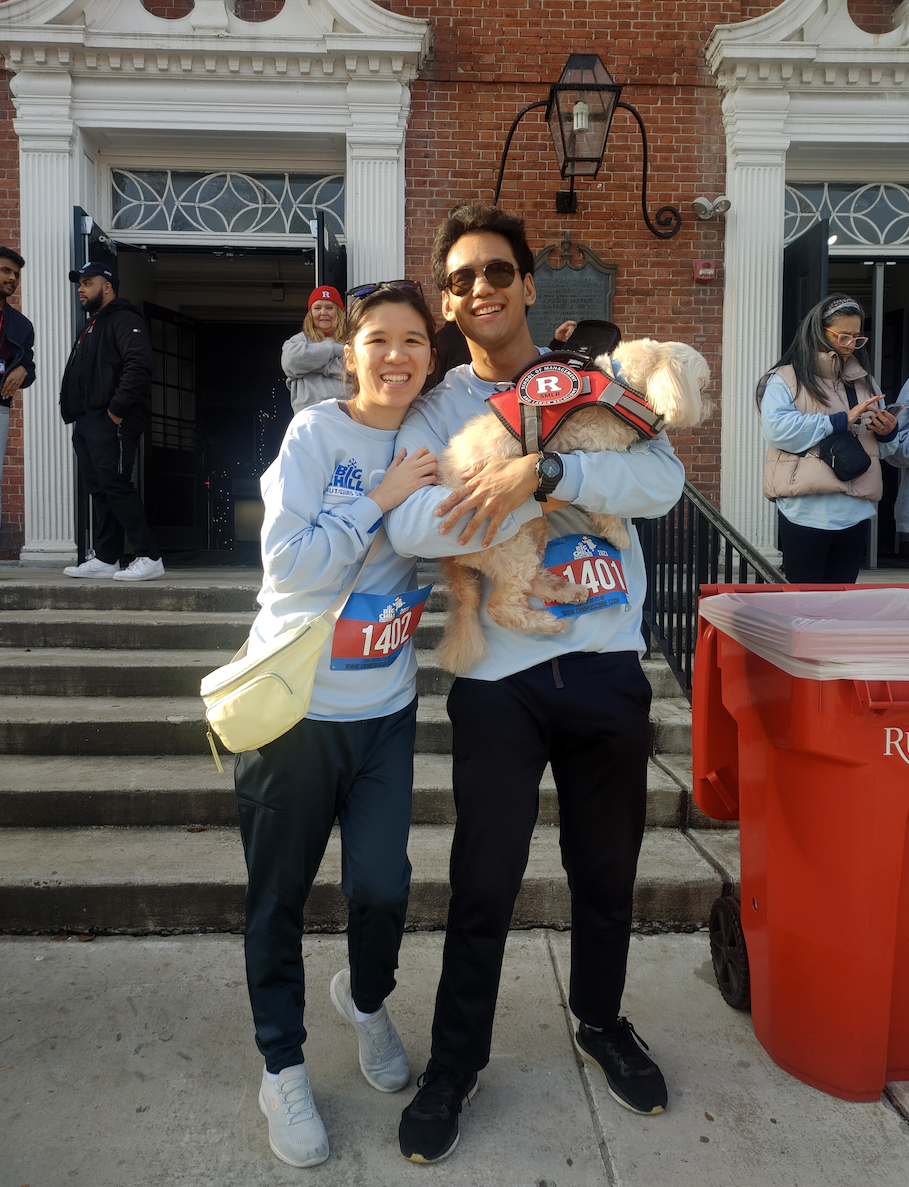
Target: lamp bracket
{"x": 511, "y": 132}
{"x": 666, "y": 216}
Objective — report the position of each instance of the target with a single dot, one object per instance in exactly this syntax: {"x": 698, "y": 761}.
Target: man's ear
{"x": 447, "y": 311}
{"x": 530, "y": 290}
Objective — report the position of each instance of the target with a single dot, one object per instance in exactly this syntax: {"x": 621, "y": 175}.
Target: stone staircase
{"x": 113, "y": 817}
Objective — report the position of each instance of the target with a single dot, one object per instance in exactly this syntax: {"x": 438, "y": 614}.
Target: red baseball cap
{"x": 326, "y": 293}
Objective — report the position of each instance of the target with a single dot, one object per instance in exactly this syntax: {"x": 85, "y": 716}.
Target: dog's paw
{"x": 550, "y": 588}
{"x": 619, "y": 538}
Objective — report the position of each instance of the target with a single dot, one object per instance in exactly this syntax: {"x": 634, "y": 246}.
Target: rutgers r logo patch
{"x": 549, "y": 383}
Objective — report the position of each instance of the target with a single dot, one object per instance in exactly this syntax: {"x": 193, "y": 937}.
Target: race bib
{"x": 374, "y": 628}
{"x": 590, "y": 561}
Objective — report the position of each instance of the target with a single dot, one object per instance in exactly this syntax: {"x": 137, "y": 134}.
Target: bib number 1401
{"x": 602, "y": 574}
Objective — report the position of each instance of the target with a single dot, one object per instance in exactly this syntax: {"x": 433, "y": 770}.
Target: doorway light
{"x": 832, "y": 240}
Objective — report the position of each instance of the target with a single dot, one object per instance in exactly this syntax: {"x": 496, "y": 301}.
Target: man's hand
{"x": 491, "y": 490}
{"x": 13, "y": 382}
{"x": 564, "y": 331}
{"x": 118, "y": 420}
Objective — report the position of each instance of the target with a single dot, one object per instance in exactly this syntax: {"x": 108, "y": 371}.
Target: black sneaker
{"x": 633, "y": 1078}
{"x": 429, "y": 1128}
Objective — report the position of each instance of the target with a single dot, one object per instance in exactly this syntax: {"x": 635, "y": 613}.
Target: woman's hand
{"x": 565, "y": 330}
{"x": 859, "y": 410}
{"x": 882, "y": 423}
{"x": 404, "y": 476}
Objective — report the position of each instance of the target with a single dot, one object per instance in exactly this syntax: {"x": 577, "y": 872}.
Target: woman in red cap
{"x": 313, "y": 359}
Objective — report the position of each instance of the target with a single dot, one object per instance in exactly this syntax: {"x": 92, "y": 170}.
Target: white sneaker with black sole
{"x": 92, "y": 567}
{"x": 143, "y": 568}
{"x": 383, "y": 1060}
{"x": 295, "y": 1130}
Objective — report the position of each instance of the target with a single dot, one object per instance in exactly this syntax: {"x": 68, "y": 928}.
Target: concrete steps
{"x": 111, "y": 879}
{"x": 46, "y": 791}
{"x": 106, "y": 766}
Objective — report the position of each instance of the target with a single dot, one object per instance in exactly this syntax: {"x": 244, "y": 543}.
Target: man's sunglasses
{"x": 367, "y": 290}
{"x": 499, "y": 273}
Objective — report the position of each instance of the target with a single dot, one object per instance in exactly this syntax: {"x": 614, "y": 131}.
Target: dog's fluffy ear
{"x": 675, "y": 385}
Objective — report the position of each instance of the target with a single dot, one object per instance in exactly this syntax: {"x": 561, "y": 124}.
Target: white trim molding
{"x": 802, "y": 81}
{"x": 101, "y": 84}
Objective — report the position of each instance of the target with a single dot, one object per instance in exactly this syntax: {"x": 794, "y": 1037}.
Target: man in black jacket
{"x": 105, "y": 396}
{"x": 17, "y": 340}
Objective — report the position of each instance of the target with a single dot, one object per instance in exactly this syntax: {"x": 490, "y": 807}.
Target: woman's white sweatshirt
{"x": 318, "y": 526}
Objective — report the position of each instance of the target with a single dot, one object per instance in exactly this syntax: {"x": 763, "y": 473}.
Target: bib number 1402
{"x": 393, "y": 635}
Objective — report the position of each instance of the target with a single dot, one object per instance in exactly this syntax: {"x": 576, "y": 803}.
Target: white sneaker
{"x": 143, "y": 568}
{"x": 383, "y": 1060}
{"x": 92, "y": 567}
{"x": 295, "y": 1130}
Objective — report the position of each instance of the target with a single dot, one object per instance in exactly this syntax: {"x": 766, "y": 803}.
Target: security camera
{"x": 702, "y": 207}
{"x": 721, "y": 205}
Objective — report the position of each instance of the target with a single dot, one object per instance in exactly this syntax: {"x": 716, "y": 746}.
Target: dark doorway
{"x": 244, "y": 408}
{"x": 881, "y": 286}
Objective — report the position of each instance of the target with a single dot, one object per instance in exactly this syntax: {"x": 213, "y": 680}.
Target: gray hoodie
{"x": 314, "y": 370}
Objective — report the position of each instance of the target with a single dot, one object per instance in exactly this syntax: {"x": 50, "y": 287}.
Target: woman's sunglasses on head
{"x": 499, "y": 273}
{"x": 367, "y": 290}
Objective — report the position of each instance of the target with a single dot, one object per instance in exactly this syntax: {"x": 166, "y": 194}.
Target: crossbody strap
{"x": 333, "y": 613}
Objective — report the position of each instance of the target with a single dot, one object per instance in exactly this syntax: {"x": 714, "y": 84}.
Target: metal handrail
{"x": 692, "y": 545}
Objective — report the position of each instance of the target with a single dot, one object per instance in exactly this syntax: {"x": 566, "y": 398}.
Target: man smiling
{"x": 578, "y": 700}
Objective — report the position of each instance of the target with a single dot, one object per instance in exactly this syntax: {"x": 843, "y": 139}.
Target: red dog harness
{"x": 560, "y": 384}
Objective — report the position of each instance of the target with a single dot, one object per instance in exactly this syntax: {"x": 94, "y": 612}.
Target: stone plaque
{"x": 579, "y": 286}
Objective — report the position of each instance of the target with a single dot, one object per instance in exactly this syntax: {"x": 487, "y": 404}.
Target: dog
{"x": 672, "y": 376}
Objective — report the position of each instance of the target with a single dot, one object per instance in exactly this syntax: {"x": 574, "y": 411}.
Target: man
{"x": 105, "y": 396}
{"x": 17, "y": 341}
{"x": 579, "y": 699}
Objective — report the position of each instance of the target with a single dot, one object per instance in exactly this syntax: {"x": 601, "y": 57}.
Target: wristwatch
{"x": 549, "y": 474}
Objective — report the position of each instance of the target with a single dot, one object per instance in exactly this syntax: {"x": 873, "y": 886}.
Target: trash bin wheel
{"x": 728, "y": 953}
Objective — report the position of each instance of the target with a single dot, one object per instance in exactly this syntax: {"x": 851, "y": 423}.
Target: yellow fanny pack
{"x": 251, "y": 702}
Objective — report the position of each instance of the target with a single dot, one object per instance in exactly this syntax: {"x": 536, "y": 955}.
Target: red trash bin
{"x": 817, "y": 771}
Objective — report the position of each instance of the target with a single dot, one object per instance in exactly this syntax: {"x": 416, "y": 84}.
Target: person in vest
{"x": 821, "y": 386}
{"x": 313, "y": 360}
{"x": 337, "y": 475}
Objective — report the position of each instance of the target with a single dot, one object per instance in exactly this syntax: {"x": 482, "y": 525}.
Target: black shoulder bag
{"x": 843, "y": 451}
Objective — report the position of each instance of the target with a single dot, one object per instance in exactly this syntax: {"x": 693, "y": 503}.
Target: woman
{"x": 821, "y": 386}
{"x": 313, "y": 360}
{"x": 351, "y": 758}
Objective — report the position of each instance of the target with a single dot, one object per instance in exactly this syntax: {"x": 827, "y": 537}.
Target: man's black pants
{"x": 588, "y": 714}
{"x": 106, "y": 454}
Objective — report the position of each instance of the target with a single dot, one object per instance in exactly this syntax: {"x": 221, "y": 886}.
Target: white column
{"x": 756, "y": 172}
{"x": 46, "y": 149}
{"x": 374, "y": 202}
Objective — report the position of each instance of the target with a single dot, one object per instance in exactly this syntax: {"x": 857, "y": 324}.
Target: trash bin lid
{"x": 858, "y": 634}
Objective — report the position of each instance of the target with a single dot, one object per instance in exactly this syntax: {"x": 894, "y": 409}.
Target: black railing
{"x": 691, "y": 546}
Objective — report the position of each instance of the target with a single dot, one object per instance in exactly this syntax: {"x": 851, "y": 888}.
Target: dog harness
{"x": 559, "y": 384}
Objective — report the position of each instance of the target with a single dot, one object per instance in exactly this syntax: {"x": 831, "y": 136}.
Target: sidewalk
{"x": 130, "y": 1062}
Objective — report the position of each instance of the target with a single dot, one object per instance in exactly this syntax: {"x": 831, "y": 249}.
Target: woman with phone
{"x": 821, "y": 387}
{"x": 351, "y": 758}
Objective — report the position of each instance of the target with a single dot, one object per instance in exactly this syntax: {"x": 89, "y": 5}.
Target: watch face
{"x": 550, "y": 467}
